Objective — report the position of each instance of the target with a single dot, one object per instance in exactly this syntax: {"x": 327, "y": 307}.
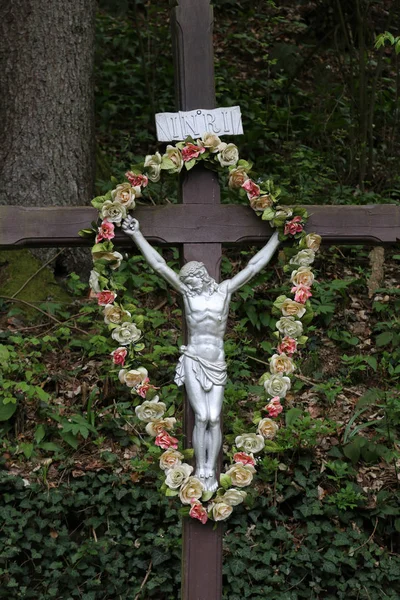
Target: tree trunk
{"x": 46, "y": 109}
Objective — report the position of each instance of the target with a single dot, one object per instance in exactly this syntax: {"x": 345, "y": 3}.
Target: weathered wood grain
{"x": 176, "y": 224}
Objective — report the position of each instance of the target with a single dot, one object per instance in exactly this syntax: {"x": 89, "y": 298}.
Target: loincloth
{"x": 207, "y": 373}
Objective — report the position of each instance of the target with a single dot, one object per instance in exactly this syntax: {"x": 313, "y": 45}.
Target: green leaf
{"x": 384, "y": 338}
{"x": 190, "y": 164}
{"x": 68, "y": 437}
{"x": 27, "y": 449}
{"x": 292, "y": 415}
{"x": 39, "y": 433}
{"x": 7, "y": 409}
{"x": 225, "y": 481}
{"x": 4, "y": 354}
{"x": 171, "y": 493}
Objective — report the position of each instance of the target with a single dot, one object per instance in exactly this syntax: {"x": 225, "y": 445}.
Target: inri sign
{"x": 177, "y": 126}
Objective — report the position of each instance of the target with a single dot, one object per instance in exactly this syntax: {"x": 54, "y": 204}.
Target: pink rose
{"x": 252, "y": 189}
{"x": 165, "y": 441}
{"x": 144, "y": 387}
{"x": 274, "y": 407}
{"x": 119, "y": 356}
{"x": 105, "y": 231}
{"x": 294, "y": 226}
{"x": 105, "y": 297}
{"x": 245, "y": 459}
{"x": 191, "y": 151}
{"x": 137, "y": 180}
{"x": 198, "y": 511}
{"x": 302, "y": 293}
{"x": 287, "y": 346}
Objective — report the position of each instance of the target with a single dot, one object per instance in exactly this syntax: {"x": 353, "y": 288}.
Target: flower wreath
{"x": 293, "y": 312}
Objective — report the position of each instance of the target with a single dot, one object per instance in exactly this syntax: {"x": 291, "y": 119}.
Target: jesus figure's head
{"x": 195, "y": 276}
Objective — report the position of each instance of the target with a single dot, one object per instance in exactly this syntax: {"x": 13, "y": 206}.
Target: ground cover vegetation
{"x": 80, "y": 515}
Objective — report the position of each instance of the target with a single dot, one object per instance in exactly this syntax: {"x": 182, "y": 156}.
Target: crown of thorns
{"x": 191, "y": 268}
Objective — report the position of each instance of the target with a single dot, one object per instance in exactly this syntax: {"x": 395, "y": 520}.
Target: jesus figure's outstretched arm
{"x": 131, "y": 227}
{"x": 255, "y": 264}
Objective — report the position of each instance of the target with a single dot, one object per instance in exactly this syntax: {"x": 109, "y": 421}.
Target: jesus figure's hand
{"x": 130, "y": 226}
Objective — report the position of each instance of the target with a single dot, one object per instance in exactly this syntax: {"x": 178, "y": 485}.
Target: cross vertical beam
{"x": 192, "y": 22}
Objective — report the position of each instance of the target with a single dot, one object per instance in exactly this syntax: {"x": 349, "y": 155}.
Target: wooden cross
{"x": 199, "y": 225}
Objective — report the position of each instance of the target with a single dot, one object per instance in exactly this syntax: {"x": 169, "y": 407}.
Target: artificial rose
{"x": 94, "y": 282}
{"x": 170, "y": 459}
{"x": 241, "y": 475}
{"x": 154, "y": 428}
{"x": 283, "y": 211}
{"x": 191, "y": 151}
{"x": 125, "y": 334}
{"x": 114, "y": 258}
{"x": 114, "y": 314}
{"x": 262, "y": 202}
{"x": 144, "y": 387}
{"x": 133, "y": 377}
{"x": 228, "y": 155}
{"x": 302, "y": 276}
{"x": 105, "y": 297}
{"x": 175, "y": 156}
{"x": 274, "y": 407}
{"x": 250, "y": 442}
{"x": 291, "y": 308}
{"x": 150, "y": 410}
{"x": 105, "y": 231}
{"x": 277, "y": 385}
{"x": 165, "y": 441}
{"x": 294, "y": 226}
{"x": 198, "y": 511}
{"x": 287, "y": 346}
{"x": 178, "y": 476}
{"x": 252, "y": 189}
{"x": 119, "y": 356}
{"x": 301, "y": 293}
{"x": 221, "y": 511}
{"x": 280, "y": 363}
{"x": 267, "y": 428}
{"x": 245, "y": 459}
{"x": 191, "y": 489}
{"x": 152, "y": 163}
{"x": 211, "y": 142}
{"x": 136, "y": 179}
{"x": 304, "y": 258}
{"x": 237, "y": 177}
{"x": 312, "y": 241}
{"x": 113, "y": 211}
{"x": 233, "y": 497}
{"x": 288, "y": 326}
{"x": 125, "y": 194}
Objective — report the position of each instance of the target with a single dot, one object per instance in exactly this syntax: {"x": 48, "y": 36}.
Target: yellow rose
{"x": 113, "y": 211}
{"x": 133, "y": 377}
{"x": 237, "y": 177}
{"x": 192, "y": 488}
{"x": 211, "y": 141}
{"x": 290, "y": 308}
{"x": 151, "y": 410}
{"x": 170, "y": 459}
{"x": 221, "y": 511}
{"x": 233, "y": 497}
{"x": 175, "y": 156}
{"x": 152, "y": 163}
{"x": 280, "y": 363}
{"x": 267, "y": 428}
{"x": 114, "y": 314}
{"x": 241, "y": 475}
{"x": 261, "y": 203}
{"x": 302, "y": 276}
{"x": 154, "y": 428}
{"x": 313, "y": 241}
{"x": 125, "y": 194}
{"x": 228, "y": 155}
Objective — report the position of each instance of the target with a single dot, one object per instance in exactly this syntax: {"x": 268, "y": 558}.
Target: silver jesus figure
{"x": 201, "y": 367}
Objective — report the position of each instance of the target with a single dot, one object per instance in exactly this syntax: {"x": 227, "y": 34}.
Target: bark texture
{"x": 46, "y": 109}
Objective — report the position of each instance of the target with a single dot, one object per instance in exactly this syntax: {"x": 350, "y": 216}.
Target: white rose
{"x": 113, "y": 211}
{"x": 280, "y": 363}
{"x": 125, "y": 194}
{"x": 192, "y": 488}
{"x": 250, "y": 442}
{"x": 277, "y": 385}
{"x": 151, "y": 410}
{"x": 304, "y": 258}
{"x": 133, "y": 377}
{"x": 156, "y": 427}
{"x": 114, "y": 314}
{"x": 94, "y": 281}
{"x": 175, "y": 156}
{"x": 283, "y": 211}
{"x": 229, "y": 155}
{"x": 313, "y": 241}
{"x": 267, "y": 428}
{"x": 241, "y": 475}
{"x": 170, "y": 458}
{"x": 221, "y": 511}
{"x": 153, "y": 164}
{"x": 211, "y": 141}
{"x": 302, "y": 276}
{"x": 288, "y": 326}
{"x": 234, "y": 497}
{"x": 114, "y": 258}
{"x": 178, "y": 476}
{"x": 291, "y": 308}
{"x": 126, "y": 334}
